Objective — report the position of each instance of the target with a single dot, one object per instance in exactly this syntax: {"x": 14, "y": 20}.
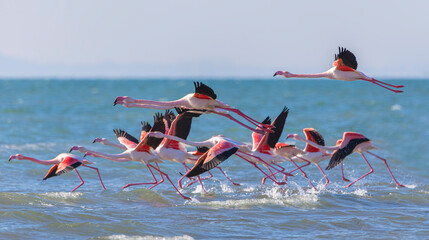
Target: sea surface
{"x": 42, "y": 118}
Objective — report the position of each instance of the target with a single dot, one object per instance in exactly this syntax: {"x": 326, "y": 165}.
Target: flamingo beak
{"x": 71, "y": 149}
{"x": 275, "y": 74}
{"x": 114, "y": 103}
{"x": 84, "y": 155}
{"x": 93, "y": 141}
{"x": 10, "y": 159}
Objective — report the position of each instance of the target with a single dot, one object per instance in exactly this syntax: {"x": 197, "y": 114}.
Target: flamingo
{"x": 203, "y": 100}
{"x": 138, "y": 151}
{"x": 351, "y": 142}
{"x": 263, "y": 145}
{"x": 309, "y": 154}
{"x": 344, "y": 68}
{"x": 63, "y": 163}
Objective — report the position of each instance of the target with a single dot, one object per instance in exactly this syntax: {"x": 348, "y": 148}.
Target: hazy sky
{"x": 210, "y": 38}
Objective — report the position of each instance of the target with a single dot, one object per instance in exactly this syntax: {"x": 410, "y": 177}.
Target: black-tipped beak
{"x": 71, "y": 149}
{"x": 275, "y": 74}
{"x": 93, "y": 141}
{"x": 287, "y": 137}
{"x": 181, "y": 174}
{"x": 10, "y": 159}
{"x": 114, "y": 103}
{"x": 84, "y": 155}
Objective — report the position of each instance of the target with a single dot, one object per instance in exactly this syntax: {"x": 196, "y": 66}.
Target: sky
{"x": 200, "y": 38}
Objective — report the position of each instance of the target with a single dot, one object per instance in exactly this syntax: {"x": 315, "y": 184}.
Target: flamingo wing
{"x": 68, "y": 164}
{"x": 347, "y": 57}
{"x": 202, "y": 89}
{"x": 213, "y": 157}
{"x": 279, "y": 123}
{"x": 51, "y": 172}
{"x": 126, "y": 139}
{"x": 181, "y": 126}
{"x": 314, "y": 136}
{"x": 168, "y": 119}
{"x": 344, "y": 151}
{"x": 158, "y": 126}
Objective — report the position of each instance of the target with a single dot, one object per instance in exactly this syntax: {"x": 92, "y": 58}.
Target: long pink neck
{"x": 43, "y": 162}
{"x": 190, "y": 143}
{"x": 317, "y": 75}
{"x": 112, "y": 157}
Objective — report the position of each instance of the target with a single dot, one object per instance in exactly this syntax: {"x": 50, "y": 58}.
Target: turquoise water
{"x": 42, "y": 118}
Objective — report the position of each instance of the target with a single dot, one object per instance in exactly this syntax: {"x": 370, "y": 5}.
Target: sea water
{"x": 42, "y": 118}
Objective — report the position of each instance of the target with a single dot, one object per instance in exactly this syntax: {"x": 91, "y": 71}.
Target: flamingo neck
{"x": 43, "y": 162}
{"x": 326, "y": 148}
{"x": 190, "y": 143}
{"x": 316, "y": 75}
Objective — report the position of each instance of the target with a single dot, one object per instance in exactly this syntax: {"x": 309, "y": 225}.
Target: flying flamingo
{"x": 309, "y": 154}
{"x": 344, "y": 68}
{"x": 63, "y": 163}
{"x": 264, "y": 144}
{"x": 138, "y": 151}
{"x": 202, "y": 101}
{"x": 351, "y": 142}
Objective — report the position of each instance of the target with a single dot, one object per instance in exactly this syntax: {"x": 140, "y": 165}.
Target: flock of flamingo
{"x": 166, "y": 138}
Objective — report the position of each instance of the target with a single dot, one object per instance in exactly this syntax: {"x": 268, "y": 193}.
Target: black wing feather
{"x": 158, "y": 126}
{"x": 122, "y": 133}
{"x": 342, "y": 153}
{"x": 348, "y": 57}
{"x": 204, "y": 167}
{"x": 279, "y": 124}
{"x": 201, "y": 88}
{"x": 318, "y": 137}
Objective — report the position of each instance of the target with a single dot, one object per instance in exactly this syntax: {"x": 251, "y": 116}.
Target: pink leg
{"x": 254, "y": 164}
{"x": 162, "y": 178}
{"x": 327, "y": 180}
{"x": 251, "y": 120}
{"x": 396, "y": 91}
{"x": 342, "y": 173}
{"x": 163, "y": 173}
{"x": 198, "y": 178}
{"x": 366, "y": 174}
{"x": 385, "y": 162}
{"x": 305, "y": 175}
{"x": 390, "y": 85}
{"x": 242, "y": 124}
{"x": 81, "y": 181}
{"x": 136, "y": 184}
{"x": 229, "y": 179}
{"x": 96, "y": 169}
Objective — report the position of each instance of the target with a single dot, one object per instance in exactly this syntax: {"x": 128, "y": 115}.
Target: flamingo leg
{"x": 136, "y": 184}
{"x": 242, "y": 124}
{"x": 324, "y": 175}
{"x": 393, "y": 90}
{"x": 162, "y": 177}
{"x": 249, "y": 119}
{"x": 81, "y": 181}
{"x": 254, "y": 164}
{"x": 96, "y": 169}
{"x": 366, "y": 174}
{"x": 305, "y": 175}
{"x": 229, "y": 179}
{"x": 198, "y": 178}
{"x": 273, "y": 174}
{"x": 385, "y": 162}
{"x": 163, "y": 173}
{"x": 390, "y": 85}
{"x": 342, "y": 173}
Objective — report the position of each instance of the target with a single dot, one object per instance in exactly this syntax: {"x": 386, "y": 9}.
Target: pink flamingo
{"x": 309, "y": 154}
{"x": 63, "y": 163}
{"x": 202, "y": 101}
{"x": 351, "y": 142}
{"x": 344, "y": 68}
{"x": 138, "y": 151}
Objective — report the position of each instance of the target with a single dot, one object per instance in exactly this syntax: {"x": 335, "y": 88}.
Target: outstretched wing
{"x": 347, "y": 57}
{"x": 279, "y": 124}
{"x": 314, "y": 136}
{"x": 126, "y": 139}
{"x": 181, "y": 126}
{"x": 343, "y": 152}
{"x": 256, "y": 137}
{"x": 158, "y": 126}
{"x": 213, "y": 157}
{"x": 201, "y": 88}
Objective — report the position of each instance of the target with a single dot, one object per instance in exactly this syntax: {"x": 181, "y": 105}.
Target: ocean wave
{"x": 148, "y": 237}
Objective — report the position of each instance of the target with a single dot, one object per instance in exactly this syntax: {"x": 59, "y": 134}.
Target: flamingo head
{"x": 78, "y": 148}
{"x": 17, "y": 157}
{"x": 122, "y": 100}
{"x": 294, "y": 136}
{"x": 86, "y": 161}
{"x": 285, "y": 74}
{"x": 99, "y": 140}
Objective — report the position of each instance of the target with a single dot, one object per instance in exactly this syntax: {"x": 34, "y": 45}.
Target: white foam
{"x": 396, "y": 107}
{"x": 360, "y": 192}
{"x": 63, "y": 195}
{"x": 148, "y": 237}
